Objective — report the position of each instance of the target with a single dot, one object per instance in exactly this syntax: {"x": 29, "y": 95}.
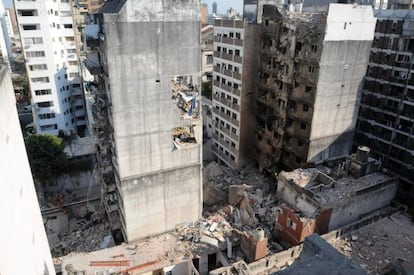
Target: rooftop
{"x": 329, "y": 191}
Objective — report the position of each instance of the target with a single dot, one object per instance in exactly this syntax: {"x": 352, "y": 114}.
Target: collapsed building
{"x": 146, "y": 113}
{"x": 321, "y": 199}
{"x": 311, "y": 67}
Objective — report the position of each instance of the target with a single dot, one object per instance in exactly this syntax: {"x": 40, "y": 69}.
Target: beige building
{"x": 235, "y": 68}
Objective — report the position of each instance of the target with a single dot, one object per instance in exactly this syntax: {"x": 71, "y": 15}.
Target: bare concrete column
{"x": 229, "y": 248}
{"x": 203, "y": 265}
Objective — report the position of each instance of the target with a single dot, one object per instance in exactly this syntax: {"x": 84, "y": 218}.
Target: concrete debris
{"x": 82, "y": 235}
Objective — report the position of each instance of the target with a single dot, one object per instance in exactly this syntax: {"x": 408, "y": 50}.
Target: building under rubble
{"x": 322, "y": 199}
{"x": 386, "y": 115}
{"x": 147, "y": 118}
{"x": 311, "y": 68}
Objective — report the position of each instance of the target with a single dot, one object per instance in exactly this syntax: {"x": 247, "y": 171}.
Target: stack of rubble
{"x": 235, "y": 206}
{"x": 84, "y": 235}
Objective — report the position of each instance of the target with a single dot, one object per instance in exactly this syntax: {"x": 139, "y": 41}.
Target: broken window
{"x": 185, "y": 96}
{"x": 311, "y": 69}
{"x": 290, "y": 224}
{"x": 305, "y": 107}
{"x": 183, "y": 136}
{"x": 303, "y": 126}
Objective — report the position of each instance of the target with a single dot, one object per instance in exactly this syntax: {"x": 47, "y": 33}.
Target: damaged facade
{"x": 147, "y": 113}
{"x": 235, "y": 68}
{"x": 386, "y": 115}
{"x": 311, "y": 66}
{"x": 319, "y": 200}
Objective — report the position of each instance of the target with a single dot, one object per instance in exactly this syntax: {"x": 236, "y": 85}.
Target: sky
{"x": 7, "y": 3}
{"x": 224, "y": 5}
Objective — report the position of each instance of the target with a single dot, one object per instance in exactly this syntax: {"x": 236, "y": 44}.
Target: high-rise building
{"x": 311, "y": 67}
{"x": 386, "y": 115}
{"x": 48, "y": 39}
{"x": 24, "y": 237}
{"x": 234, "y": 76}
{"x": 214, "y": 8}
{"x": 147, "y": 115}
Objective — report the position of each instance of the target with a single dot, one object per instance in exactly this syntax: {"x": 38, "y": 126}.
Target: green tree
{"x": 46, "y": 156}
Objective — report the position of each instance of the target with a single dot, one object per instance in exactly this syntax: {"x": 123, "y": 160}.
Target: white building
{"x": 24, "y": 242}
{"x": 48, "y": 41}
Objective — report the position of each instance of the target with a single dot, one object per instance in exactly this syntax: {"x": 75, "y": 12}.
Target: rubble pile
{"x": 235, "y": 209}
{"x": 82, "y": 235}
{"x": 378, "y": 246}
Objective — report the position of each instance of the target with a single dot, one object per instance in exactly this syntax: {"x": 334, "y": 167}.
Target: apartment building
{"x": 386, "y": 115}
{"x": 48, "y": 40}
{"x": 25, "y": 236}
{"x": 234, "y": 79}
{"x": 311, "y": 67}
{"x": 147, "y": 113}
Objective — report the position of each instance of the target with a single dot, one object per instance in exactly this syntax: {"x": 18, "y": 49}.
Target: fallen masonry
{"x": 238, "y": 231}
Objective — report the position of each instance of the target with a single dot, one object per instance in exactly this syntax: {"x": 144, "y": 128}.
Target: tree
{"x": 46, "y": 156}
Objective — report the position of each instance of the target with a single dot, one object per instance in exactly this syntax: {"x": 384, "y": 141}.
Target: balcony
{"x": 226, "y": 117}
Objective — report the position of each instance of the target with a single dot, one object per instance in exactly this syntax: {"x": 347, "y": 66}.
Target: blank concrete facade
{"x": 23, "y": 237}
{"x": 235, "y": 68}
{"x": 386, "y": 115}
{"x": 311, "y": 69}
{"x": 150, "y": 57}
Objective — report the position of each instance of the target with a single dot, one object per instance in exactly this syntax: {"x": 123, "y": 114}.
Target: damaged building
{"x": 146, "y": 113}
{"x": 311, "y": 67}
{"x": 319, "y": 200}
{"x": 386, "y": 115}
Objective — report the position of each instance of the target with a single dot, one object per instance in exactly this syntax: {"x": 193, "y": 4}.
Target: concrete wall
{"x": 147, "y": 43}
{"x": 342, "y": 67}
{"x": 23, "y": 237}
{"x": 363, "y": 204}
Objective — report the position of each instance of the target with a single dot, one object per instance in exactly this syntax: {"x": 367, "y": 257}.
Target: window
{"x": 238, "y": 35}
{"x": 231, "y": 34}
{"x": 27, "y": 12}
{"x": 76, "y": 85}
{"x": 305, "y": 107}
{"x": 31, "y": 27}
{"x": 47, "y": 116}
{"x": 219, "y": 49}
{"x": 237, "y": 52}
{"x": 209, "y": 59}
{"x": 290, "y": 224}
{"x": 314, "y": 48}
{"x": 308, "y": 89}
{"x": 48, "y": 127}
{"x": 236, "y": 86}
{"x": 35, "y": 54}
{"x": 38, "y": 67}
{"x": 40, "y": 79}
{"x": 67, "y": 26}
{"x": 303, "y": 126}
{"x": 311, "y": 69}
{"x": 267, "y": 22}
{"x": 73, "y": 75}
{"x": 32, "y": 40}
{"x": 43, "y": 92}
{"x": 71, "y": 50}
{"x": 45, "y": 104}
